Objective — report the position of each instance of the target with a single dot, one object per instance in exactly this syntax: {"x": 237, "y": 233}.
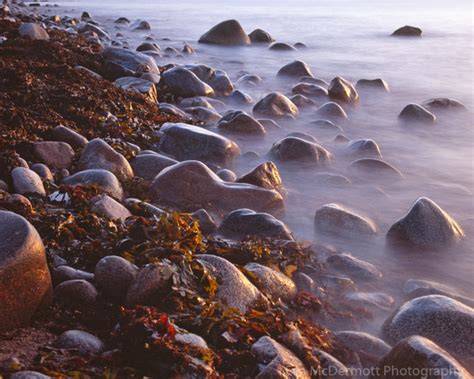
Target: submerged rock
{"x": 265, "y": 175}
{"x": 354, "y": 267}
{"x": 343, "y": 90}
{"x": 414, "y": 288}
{"x": 260, "y": 36}
{"x": 310, "y": 90}
{"x": 426, "y": 226}
{"x": 297, "y": 149}
{"x": 407, "y": 31}
{"x": 271, "y": 282}
{"x": 281, "y": 46}
{"x": 416, "y": 113}
{"x": 373, "y": 84}
{"x": 182, "y": 82}
{"x": 375, "y": 169}
{"x": 242, "y": 123}
{"x": 331, "y": 110}
{"x": 228, "y": 32}
{"x": 364, "y": 147}
{"x": 140, "y": 25}
{"x": 102, "y": 179}
{"x": 295, "y": 69}
{"x": 444, "y": 104}
{"x": 275, "y": 105}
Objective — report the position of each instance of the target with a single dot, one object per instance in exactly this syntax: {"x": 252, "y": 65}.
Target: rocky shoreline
{"x": 129, "y": 249}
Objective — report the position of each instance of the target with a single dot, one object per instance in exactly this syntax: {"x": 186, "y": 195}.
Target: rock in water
{"x": 407, "y": 31}
{"x": 33, "y": 31}
{"x": 426, "y": 226}
{"x": 343, "y": 90}
{"x": 260, "y": 36}
{"x": 281, "y": 46}
{"x": 182, "y": 82}
{"x": 370, "y": 349}
{"x": 364, "y": 147}
{"x": 25, "y": 282}
{"x": 241, "y": 123}
{"x": 295, "y": 69}
{"x": 332, "y": 111}
{"x": 416, "y": 113}
{"x": 271, "y": 282}
{"x": 444, "y": 104}
{"x": 275, "y": 105}
{"x": 228, "y": 32}
{"x": 414, "y": 288}
{"x": 373, "y": 84}
{"x": 354, "y": 267}
{"x": 443, "y": 320}
{"x": 296, "y": 149}
{"x": 419, "y": 354}
{"x": 265, "y": 175}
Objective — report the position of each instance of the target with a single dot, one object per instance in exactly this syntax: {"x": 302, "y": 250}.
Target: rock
{"x": 56, "y": 155}
{"x": 241, "y": 123}
{"x": 375, "y": 169}
{"x": 426, "y": 226}
{"x": 149, "y": 285}
{"x": 341, "y": 138}
{"x": 142, "y": 208}
{"x": 265, "y": 175}
{"x": 414, "y": 288}
{"x": 83, "y": 342}
{"x": 417, "y": 354}
{"x": 271, "y": 282}
{"x": 373, "y": 84}
{"x": 445, "y": 321}
{"x": 3, "y": 186}
{"x": 281, "y": 46}
{"x": 184, "y": 83}
{"x": 191, "y": 339}
{"x": 330, "y": 366}
{"x": 241, "y": 223}
{"x": 335, "y": 180}
{"x": 90, "y": 28}
{"x": 300, "y": 45}
{"x": 206, "y": 222}
{"x": 354, "y": 267}
{"x": 221, "y": 83}
{"x": 269, "y": 124}
{"x": 416, "y": 113}
{"x": 114, "y": 275}
{"x": 407, "y": 31}
{"x": 26, "y": 181}
{"x": 303, "y": 102}
{"x": 122, "y": 20}
{"x": 29, "y": 375}
{"x": 64, "y": 134}
{"x": 364, "y": 147}
{"x": 64, "y": 273}
{"x": 296, "y": 149}
{"x": 444, "y": 104}
{"x": 260, "y": 36}
{"x": 302, "y": 135}
{"x": 174, "y": 111}
{"x": 25, "y": 280}
{"x": 202, "y": 71}
{"x": 147, "y": 166}
{"x": 203, "y": 115}
{"x": 33, "y": 31}
{"x": 332, "y": 111}
{"x": 235, "y": 290}
{"x": 188, "y": 49}
{"x": 303, "y": 282}
{"x": 326, "y": 126}
{"x": 312, "y": 80}
{"x": 132, "y": 84}
{"x": 192, "y": 185}
{"x": 343, "y": 90}
{"x": 102, "y": 179}
{"x": 370, "y": 349}
{"x": 140, "y": 25}
{"x": 226, "y": 175}
{"x": 295, "y": 69}
{"x": 130, "y": 60}
{"x": 239, "y": 98}
{"x": 148, "y": 46}
{"x": 185, "y": 141}
{"x": 309, "y": 90}
{"x": 277, "y": 360}
{"x": 228, "y": 32}
{"x": 43, "y": 171}
{"x": 192, "y": 102}
{"x": 109, "y": 208}
{"x": 98, "y": 154}
{"x": 77, "y": 291}
{"x": 249, "y": 80}
{"x": 376, "y": 301}
{"x": 18, "y": 204}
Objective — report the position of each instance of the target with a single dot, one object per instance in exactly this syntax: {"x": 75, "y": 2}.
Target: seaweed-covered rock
{"x": 102, "y": 179}
{"x": 343, "y": 90}
{"x": 228, "y": 32}
{"x": 147, "y": 166}
{"x": 241, "y": 122}
{"x": 265, "y": 175}
{"x": 271, "y": 282}
{"x": 407, "y": 31}
{"x": 354, "y": 267}
{"x": 275, "y": 105}
{"x": 297, "y": 149}
{"x": 56, "y": 155}
{"x": 260, "y": 36}
{"x": 295, "y": 69}
{"x": 182, "y": 82}
{"x": 416, "y": 113}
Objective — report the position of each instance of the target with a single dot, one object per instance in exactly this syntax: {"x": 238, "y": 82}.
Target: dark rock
{"x": 122, "y": 20}
{"x": 376, "y": 169}
{"x": 130, "y": 60}
{"x": 414, "y": 288}
{"x": 444, "y": 104}
{"x": 364, "y": 147}
{"x": 83, "y": 342}
{"x": 249, "y": 80}
{"x": 295, "y": 69}
{"x": 114, "y": 275}
{"x": 260, "y": 36}
{"x": 310, "y": 90}
{"x": 148, "y": 46}
{"x": 187, "y": 49}
{"x": 373, "y": 301}
{"x": 26, "y": 181}
{"x": 281, "y": 46}
{"x": 416, "y": 113}
{"x": 43, "y": 171}
{"x": 241, "y": 123}
{"x": 77, "y": 292}
{"x": 64, "y": 273}
{"x": 89, "y": 27}
{"x": 370, "y": 349}
{"x": 33, "y": 31}
{"x": 275, "y": 105}
{"x": 271, "y": 282}
{"x": 312, "y": 80}
{"x": 326, "y": 126}
{"x": 297, "y": 149}
{"x": 354, "y": 267}
{"x": 147, "y": 166}
{"x": 407, "y": 31}
{"x": 107, "y": 207}
{"x": 343, "y": 90}
{"x": 303, "y": 102}
{"x": 140, "y": 25}
{"x": 265, "y": 175}
{"x": 373, "y": 84}
{"x": 239, "y": 98}
{"x": 102, "y": 179}
{"x": 332, "y": 111}
{"x": 56, "y": 155}
{"x": 143, "y": 86}
{"x": 221, "y": 83}
{"x": 203, "y": 115}
{"x": 228, "y": 32}
{"x": 206, "y": 222}
{"x": 302, "y": 135}
{"x": 29, "y": 375}
{"x": 184, "y": 83}
{"x": 64, "y": 134}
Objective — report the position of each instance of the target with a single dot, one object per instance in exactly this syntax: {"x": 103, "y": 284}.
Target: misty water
{"x": 349, "y": 39}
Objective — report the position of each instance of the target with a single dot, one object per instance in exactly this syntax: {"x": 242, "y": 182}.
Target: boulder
{"x": 250, "y": 80}
{"x": 426, "y": 226}
{"x": 238, "y": 97}
{"x": 77, "y": 292}
{"x": 444, "y": 104}
{"x": 64, "y": 134}
{"x": 331, "y": 111}
{"x": 203, "y": 115}
{"x": 184, "y": 83}
{"x": 90, "y": 29}
{"x": 140, "y": 25}
{"x": 85, "y": 343}
{"x": 281, "y": 46}
{"x": 354, "y": 267}
{"x": 27, "y": 181}
{"x": 235, "y": 290}
{"x": 416, "y": 113}
{"x": 369, "y": 348}
{"x": 148, "y": 46}
{"x": 241, "y": 123}
{"x": 309, "y": 90}
{"x": 296, "y": 149}
{"x": 295, "y": 69}
{"x": 173, "y": 110}
{"x": 206, "y": 222}
{"x": 102, "y": 179}
{"x": 29, "y": 375}
{"x": 122, "y": 20}
{"x": 242, "y": 223}
{"x": 132, "y": 61}
{"x": 373, "y": 301}
{"x": 364, "y": 147}
{"x": 302, "y": 135}
{"x": 221, "y": 83}
{"x": 25, "y": 282}
{"x": 407, "y": 31}
{"x": 416, "y": 354}
{"x": 228, "y": 32}
{"x": 303, "y": 102}
{"x": 311, "y": 80}
{"x": 414, "y": 288}
{"x": 33, "y": 31}
{"x": 98, "y": 154}
{"x": 147, "y": 166}
{"x": 185, "y": 141}
{"x": 56, "y": 155}
{"x": 445, "y": 321}
{"x": 114, "y": 275}
{"x": 43, "y": 171}
{"x": 373, "y": 84}
{"x": 191, "y": 102}
{"x": 132, "y": 84}
{"x": 271, "y": 282}
{"x": 330, "y": 366}
{"x": 191, "y": 185}
{"x": 265, "y": 175}
{"x": 260, "y": 36}
{"x": 326, "y": 126}
{"x": 275, "y": 105}
{"x": 106, "y": 206}
{"x": 343, "y": 90}
{"x": 375, "y": 169}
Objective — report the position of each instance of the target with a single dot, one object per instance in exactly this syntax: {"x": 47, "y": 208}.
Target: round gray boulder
{"x": 228, "y": 32}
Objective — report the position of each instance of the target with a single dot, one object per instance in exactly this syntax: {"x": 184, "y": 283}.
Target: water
{"x": 351, "y": 39}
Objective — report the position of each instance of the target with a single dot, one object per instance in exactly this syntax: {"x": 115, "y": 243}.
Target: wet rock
{"x": 145, "y": 87}
{"x": 221, "y": 83}
{"x": 265, "y": 175}
{"x": 312, "y": 80}
{"x": 309, "y": 90}
{"x": 238, "y": 97}
{"x": 341, "y": 138}
{"x": 300, "y": 45}
{"x": 370, "y": 349}
{"x": 426, "y": 226}
{"x": 376, "y": 301}
{"x": 56, "y": 155}
{"x": 109, "y": 208}
{"x": 185, "y": 141}
{"x": 277, "y": 360}
{"x": 174, "y": 111}
{"x": 184, "y": 83}
{"x": 147, "y": 166}
{"x": 228, "y": 32}
{"x": 326, "y": 126}
{"x": 444, "y": 104}
{"x": 332, "y": 179}
{"x": 414, "y": 288}
{"x": 130, "y": 60}
{"x": 305, "y": 136}
{"x": 64, "y": 134}
{"x": 226, "y": 175}
{"x": 373, "y": 84}
{"x": 84, "y": 342}
{"x": 235, "y": 290}
{"x": 203, "y": 115}
{"x": 260, "y": 36}
{"x": 89, "y": 27}
{"x": 416, "y": 113}
{"x": 202, "y": 71}
{"x": 303, "y": 102}
{"x": 295, "y": 69}
{"x": 334, "y": 218}
{"x": 206, "y": 222}
{"x": 122, "y": 20}
{"x": 343, "y": 90}
{"x": 191, "y": 102}
{"x": 271, "y": 282}
{"x": 331, "y": 111}
{"x": 364, "y": 147}
{"x": 33, "y": 31}
{"x": 242, "y": 223}
{"x": 269, "y": 124}
{"x": 140, "y": 25}
{"x": 281, "y": 46}
{"x": 375, "y": 169}
{"x": 354, "y": 267}
{"x": 98, "y": 154}
{"x": 241, "y": 123}
{"x": 29, "y": 375}
{"x": 77, "y": 291}
{"x": 445, "y": 321}
{"x": 296, "y": 149}
{"x": 192, "y": 185}
{"x": 303, "y": 282}
{"x": 188, "y": 49}
{"x": 407, "y": 31}
{"x": 64, "y": 273}
{"x": 148, "y": 46}
{"x": 114, "y": 275}
{"x": 25, "y": 280}
{"x": 43, "y": 171}
{"x": 27, "y": 181}
{"x": 249, "y": 80}
{"x": 330, "y": 366}
{"x": 102, "y": 179}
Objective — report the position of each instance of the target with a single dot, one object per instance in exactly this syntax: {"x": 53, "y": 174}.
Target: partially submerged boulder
{"x": 354, "y": 267}
{"x": 228, "y": 32}
{"x": 265, "y": 175}
{"x": 296, "y": 149}
{"x": 416, "y": 113}
{"x": 182, "y": 82}
{"x": 295, "y": 69}
{"x": 332, "y": 111}
{"x": 260, "y": 36}
{"x": 444, "y": 104}
{"x": 275, "y": 105}
{"x": 407, "y": 31}
{"x": 373, "y": 84}
{"x": 343, "y": 90}
{"x": 241, "y": 123}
